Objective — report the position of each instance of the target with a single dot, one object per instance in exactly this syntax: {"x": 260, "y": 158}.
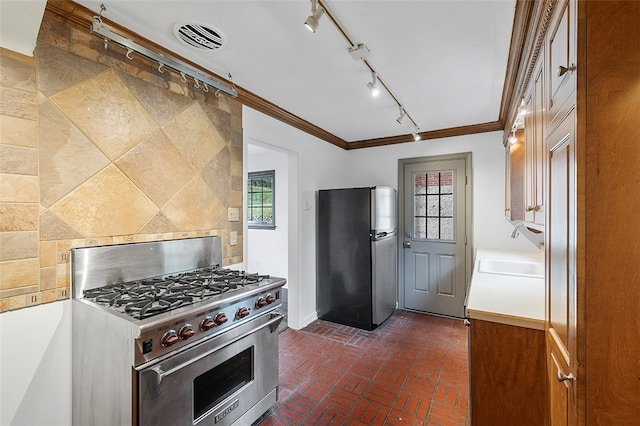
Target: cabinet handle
{"x": 563, "y": 70}
{"x": 530, "y": 208}
{"x": 564, "y": 377}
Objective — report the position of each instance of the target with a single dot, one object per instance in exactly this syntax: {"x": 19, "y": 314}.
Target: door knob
{"x": 564, "y": 377}
{"x": 406, "y": 244}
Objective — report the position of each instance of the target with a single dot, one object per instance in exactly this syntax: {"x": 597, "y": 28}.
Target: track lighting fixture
{"x": 402, "y": 115}
{"x": 359, "y": 52}
{"x": 373, "y": 85}
{"x": 416, "y": 135}
{"x": 313, "y": 20}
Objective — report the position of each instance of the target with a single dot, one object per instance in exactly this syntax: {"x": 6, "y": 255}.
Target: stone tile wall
{"x": 97, "y": 149}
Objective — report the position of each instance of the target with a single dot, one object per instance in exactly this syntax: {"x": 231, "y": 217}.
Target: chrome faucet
{"x": 516, "y": 230}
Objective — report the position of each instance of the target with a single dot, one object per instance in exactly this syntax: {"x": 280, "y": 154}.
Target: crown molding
{"x": 450, "y": 132}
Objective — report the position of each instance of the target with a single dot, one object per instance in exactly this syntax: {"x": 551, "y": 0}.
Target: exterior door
{"x": 435, "y": 234}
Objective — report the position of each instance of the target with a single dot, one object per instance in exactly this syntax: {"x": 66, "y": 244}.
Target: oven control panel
{"x": 188, "y": 329}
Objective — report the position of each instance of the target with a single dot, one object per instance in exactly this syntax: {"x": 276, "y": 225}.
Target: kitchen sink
{"x": 512, "y": 267}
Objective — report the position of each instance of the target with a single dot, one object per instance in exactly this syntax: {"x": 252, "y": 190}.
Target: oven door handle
{"x": 273, "y": 324}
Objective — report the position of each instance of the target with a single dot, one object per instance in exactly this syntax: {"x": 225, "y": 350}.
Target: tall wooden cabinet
{"x": 585, "y": 66}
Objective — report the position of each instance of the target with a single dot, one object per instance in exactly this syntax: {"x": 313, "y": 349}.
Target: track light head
{"x": 373, "y": 85}
{"x": 416, "y": 135}
{"x": 402, "y": 115}
{"x": 313, "y": 20}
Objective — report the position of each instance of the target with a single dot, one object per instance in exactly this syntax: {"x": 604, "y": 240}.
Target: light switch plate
{"x": 233, "y": 214}
{"x": 233, "y": 238}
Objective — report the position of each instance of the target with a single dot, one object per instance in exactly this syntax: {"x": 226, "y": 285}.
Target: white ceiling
{"x": 445, "y": 61}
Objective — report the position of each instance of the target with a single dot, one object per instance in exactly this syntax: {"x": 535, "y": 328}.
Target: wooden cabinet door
{"x": 535, "y": 151}
{"x": 506, "y": 375}
{"x": 561, "y": 386}
{"x": 561, "y": 273}
{"x": 561, "y": 45}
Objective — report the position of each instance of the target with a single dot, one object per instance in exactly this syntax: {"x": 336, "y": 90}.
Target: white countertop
{"x": 507, "y": 299}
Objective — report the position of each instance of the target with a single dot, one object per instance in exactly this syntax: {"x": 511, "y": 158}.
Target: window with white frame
{"x": 261, "y": 199}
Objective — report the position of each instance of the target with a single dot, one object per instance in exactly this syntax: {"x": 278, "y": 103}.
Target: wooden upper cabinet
{"x": 561, "y": 60}
{"x": 535, "y": 148}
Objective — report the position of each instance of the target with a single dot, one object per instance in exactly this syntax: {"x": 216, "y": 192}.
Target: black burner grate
{"x": 148, "y": 297}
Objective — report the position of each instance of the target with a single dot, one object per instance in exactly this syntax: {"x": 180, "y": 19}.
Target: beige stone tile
{"x": 220, "y": 119}
{"x": 236, "y": 199}
{"x": 19, "y": 273}
{"x": 67, "y": 157}
{"x": 194, "y": 136}
{"x": 18, "y": 217}
{"x": 47, "y": 253}
{"x": 217, "y": 175}
{"x": 107, "y": 204}
{"x": 63, "y": 256}
{"x": 63, "y": 270}
{"x": 237, "y": 183}
{"x": 236, "y": 168}
{"x": 18, "y": 74}
{"x": 18, "y": 188}
{"x": 63, "y": 293}
{"x": 54, "y": 228}
{"x": 18, "y": 103}
{"x": 49, "y": 296}
{"x": 159, "y": 224}
{"x": 107, "y": 112}
{"x": 59, "y": 69}
{"x": 194, "y": 208}
{"x": 162, "y": 104}
{"x": 64, "y": 245}
{"x": 18, "y": 131}
{"x": 18, "y": 160}
{"x": 92, "y": 242}
{"x": 19, "y": 291}
{"x": 157, "y": 168}
{"x": 18, "y": 245}
{"x": 17, "y": 302}
{"x": 33, "y": 299}
{"x": 48, "y": 278}
{"x": 63, "y": 281}
{"x": 4, "y": 304}
{"x": 79, "y": 242}
{"x": 54, "y": 30}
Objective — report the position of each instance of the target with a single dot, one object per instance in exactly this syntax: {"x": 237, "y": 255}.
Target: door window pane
{"x": 433, "y": 205}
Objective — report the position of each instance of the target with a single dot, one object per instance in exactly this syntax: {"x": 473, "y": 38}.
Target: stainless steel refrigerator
{"x": 356, "y": 256}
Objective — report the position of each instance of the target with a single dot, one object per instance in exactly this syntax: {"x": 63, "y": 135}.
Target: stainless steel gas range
{"x": 162, "y": 335}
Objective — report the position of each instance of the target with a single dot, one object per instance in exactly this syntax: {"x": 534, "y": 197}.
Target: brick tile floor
{"x": 412, "y": 370}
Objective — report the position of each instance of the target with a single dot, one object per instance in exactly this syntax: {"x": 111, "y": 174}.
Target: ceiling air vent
{"x": 200, "y": 36}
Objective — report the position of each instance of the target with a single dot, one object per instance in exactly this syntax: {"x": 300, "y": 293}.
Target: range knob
{"x": 242, "y": 312}
{"x": 186, "y": 332}
{"x": 169, "y": 338}
{"x": 270, "y": 299}
{"x": 207, "y": 323}
{"x": 220, "y": 318}
{"x": 261, "y": 303}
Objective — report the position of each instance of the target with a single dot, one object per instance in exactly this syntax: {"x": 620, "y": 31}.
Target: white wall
{"x": 379, "y": 166}
{"x": 20, "y": 23}
{"x": 35, "y": 365}
{"x": 312, "y": 164}
{"x": 267, "y": 248}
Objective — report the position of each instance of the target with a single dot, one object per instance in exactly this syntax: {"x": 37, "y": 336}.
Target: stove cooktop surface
{"x": 145, "y": 298}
